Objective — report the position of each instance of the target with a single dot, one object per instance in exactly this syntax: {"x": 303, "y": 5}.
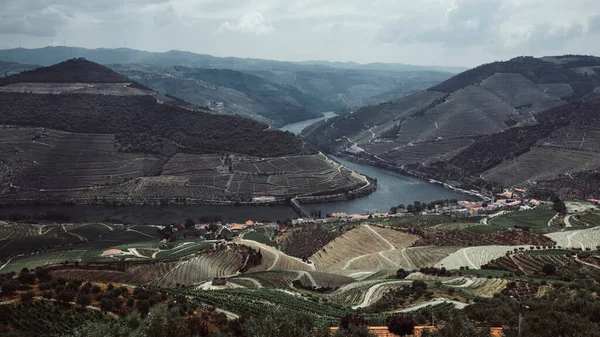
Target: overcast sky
{"x": 428, "y": 32}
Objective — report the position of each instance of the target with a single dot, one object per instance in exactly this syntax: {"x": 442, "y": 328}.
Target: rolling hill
{"x": 80, "y": 132}
{"x": 269, "y": 91}
{"x": 230, "y": 92}
{"x": 11, "y": 68}
{"x": 489, "y": 126}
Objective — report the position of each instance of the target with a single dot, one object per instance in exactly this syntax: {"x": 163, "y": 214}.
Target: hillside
{"x": 52, "y": 55}
{"x": 461, "y": 122}
{"x": 11, "y": 68}
{"x": 274, "y": 92}
{"x": 79, "y": 130}
{"x": 230, "y": 92}
{"x": 551, "y": 155}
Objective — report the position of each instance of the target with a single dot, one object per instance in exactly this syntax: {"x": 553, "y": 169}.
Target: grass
{"x": 536, "y": 219}
{"x": 486, "y": 272}
{"x": 35, "y": 260}
{"x": 262, "y": 235}
{"x": 185, "y": 248}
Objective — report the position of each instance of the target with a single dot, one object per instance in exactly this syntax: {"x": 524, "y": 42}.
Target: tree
{"x": 279, "y": 322}
{"x": 401, "y": 273}
{"x": 548, "y": 269}
{"x": 355, "y": 331}
{"x": 393, "y": 210}
{"x": 65, "y": 296}
{"x": 401, "y": 206}
{"x": 351, "y": 320}
{"x": 27, "y": 296}
{"x": 9, "y": 287}
{"x": 143, "y": 307}
{"x": 458, "y": 326}
{"x": 106, "y": 304}
{"x": 83, "y": 300}
{"x": 410, "y": 208}
{"x": 189, "y": 223}
{"x": 401, "y": 325}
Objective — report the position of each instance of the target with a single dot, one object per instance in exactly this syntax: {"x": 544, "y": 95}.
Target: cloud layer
{"x": 251, "y": 23}
{"x": 443, "y": 32}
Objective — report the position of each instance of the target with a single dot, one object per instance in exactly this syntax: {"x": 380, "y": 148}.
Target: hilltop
{"x": 273, "y": 92}
{"x": 480, "y": 119}
{"x": 80, "y": 131}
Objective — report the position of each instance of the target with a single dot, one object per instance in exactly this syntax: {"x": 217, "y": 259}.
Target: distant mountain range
{"x": 52, "y": 55}
{"x": 11, "y": 68}
{"x": 79, "y": 132}
{"x": 512, "y": 123}
{"x": 270, "y": 91}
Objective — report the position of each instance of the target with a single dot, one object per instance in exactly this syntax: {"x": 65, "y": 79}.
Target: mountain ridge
{"x": 479, "y": 108}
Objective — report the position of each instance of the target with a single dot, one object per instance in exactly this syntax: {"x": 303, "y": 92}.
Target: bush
{"x": 27, "y": 296}
{"x": 401, "y": 325}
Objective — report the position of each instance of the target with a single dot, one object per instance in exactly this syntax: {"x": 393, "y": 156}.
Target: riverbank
{"x": 381, "y": 163}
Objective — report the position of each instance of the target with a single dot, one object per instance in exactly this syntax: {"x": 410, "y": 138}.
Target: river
{"x": 392, "y": 189}
{"x": 296, "y": 128}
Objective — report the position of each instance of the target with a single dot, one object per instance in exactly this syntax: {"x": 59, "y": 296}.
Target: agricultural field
{"x": 542, "y": 163}
{"x": 530, "y": 262}
{"x": 536, "y": 219}
{"x": 41, "y": 163}
{"x": 202, "y": 268}
{"x": 475, "y": 257}
{"x": 581, "y": 238}
{"x": 264, "y": 235}
{"x": 357, "y": 243}
{"x": 440, "y": 237}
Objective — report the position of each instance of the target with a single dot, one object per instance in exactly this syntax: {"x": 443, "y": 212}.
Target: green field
{"x": 262, "y": 235}
{"x": 42, "y": 259}
{"x": 536, "y": 219}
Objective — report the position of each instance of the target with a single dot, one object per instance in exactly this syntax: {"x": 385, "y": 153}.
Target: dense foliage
{"x": 71, "y": 71}
{"x": 536, "y": 70}
{"x": 489, "y": 151}
{"x": 142, "y": 125}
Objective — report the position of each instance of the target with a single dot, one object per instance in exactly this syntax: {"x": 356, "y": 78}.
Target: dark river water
{"x": 392, "y": 189}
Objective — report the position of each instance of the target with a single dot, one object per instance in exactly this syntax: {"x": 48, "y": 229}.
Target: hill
{"x": 78, "y": 130}
{"x": 55, "y": 54}
{"x": 11, "y": 68}
{"x": 229, "y": 92}
{"x": 270, "y": 91}
{"x": 478, "y": 120}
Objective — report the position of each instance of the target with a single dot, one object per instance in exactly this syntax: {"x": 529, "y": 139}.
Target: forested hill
{"x": 492, "y": 119}
{"x": 70, "y": 71}
{"x": 137, "y": 117}
{"x": 560, "y": 153}
{"x": 580, "y": 72}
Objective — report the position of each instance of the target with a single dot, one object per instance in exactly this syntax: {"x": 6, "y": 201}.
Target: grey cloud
{"x": 466, "y": 22}
{"x": 31, "y": 18}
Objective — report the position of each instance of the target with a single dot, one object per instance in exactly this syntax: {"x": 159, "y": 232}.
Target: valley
{"x": 353, "y": 196}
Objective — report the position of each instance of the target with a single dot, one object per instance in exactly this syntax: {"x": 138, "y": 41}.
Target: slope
{"x": 438, "y": 123}
{"x": 230, "y": 92}
{"x": 78, "y": 131}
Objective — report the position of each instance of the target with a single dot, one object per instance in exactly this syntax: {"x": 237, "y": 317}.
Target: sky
{"x": 425, "y": 32}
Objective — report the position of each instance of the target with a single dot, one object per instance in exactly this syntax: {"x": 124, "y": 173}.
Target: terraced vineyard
{"x": 582, "y": 238}
{"x": 439, "y": 237}
{"x": 475, "y": 257}
{"x": 357, "y": 243}
{"x": 13, "y": 231}
{"x": 531, "y": 261}
{"x": 202, "y": 268}
{"x": 141, "y": 274}
{"x": 482, "y": 287}
{"x": 542, "y": 163}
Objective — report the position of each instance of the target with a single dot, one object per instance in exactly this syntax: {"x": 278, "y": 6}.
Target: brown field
{"x": 339, "y": 254}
